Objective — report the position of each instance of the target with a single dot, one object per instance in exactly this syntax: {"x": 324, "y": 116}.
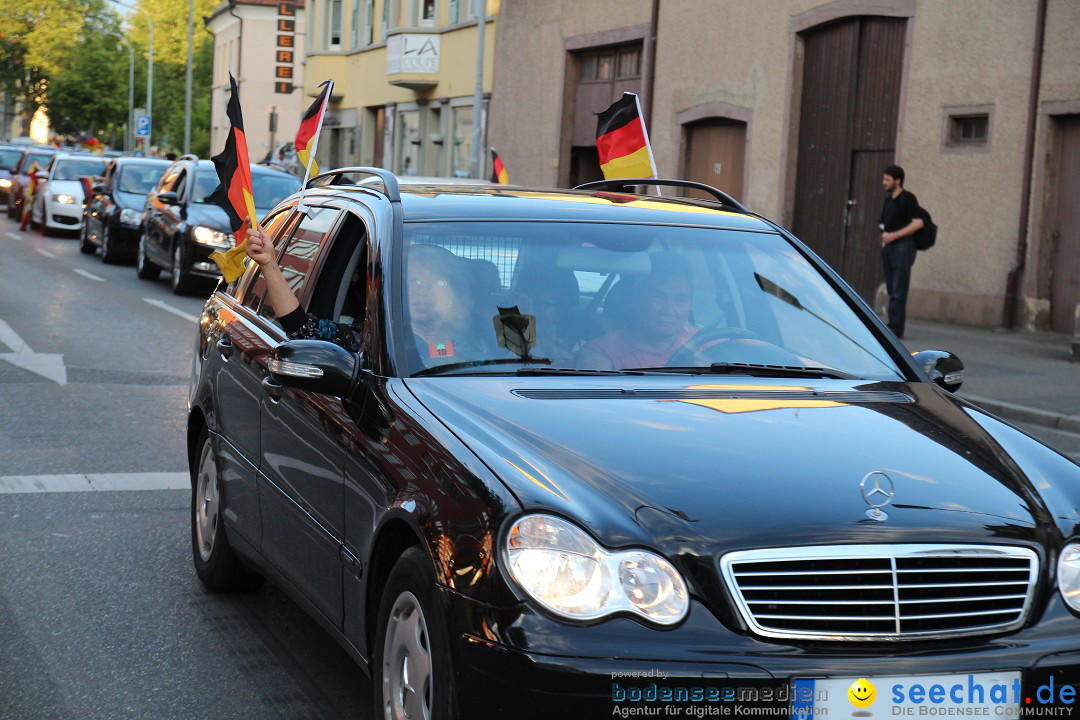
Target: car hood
{"x": 213, "y": 216}
{"x": 746, "y": 462}
{"x": 66, "y": 187}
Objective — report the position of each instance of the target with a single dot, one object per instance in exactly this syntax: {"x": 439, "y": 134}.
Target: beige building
{"x": 262, "y": 41}
{"x": 796, "y": 106}
{"x": 404, "y": 74}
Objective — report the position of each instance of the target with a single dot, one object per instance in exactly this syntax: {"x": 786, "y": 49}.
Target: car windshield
{"x": 480, "y": 297}
{"x": 269, "y": 189}
{"x": 75, "y": 169}
{"x": 139, "y": 178}
{"x": 9, "y": 158}
{"x": 41, "y": 159}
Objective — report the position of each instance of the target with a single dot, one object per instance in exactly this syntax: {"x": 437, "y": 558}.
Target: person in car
{"x": 658, "y": 325}
{"x": 439, "y": 309}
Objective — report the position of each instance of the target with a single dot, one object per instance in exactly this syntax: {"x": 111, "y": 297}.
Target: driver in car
{"x": 437, "y": 301}
{"x": 658, "y": 326}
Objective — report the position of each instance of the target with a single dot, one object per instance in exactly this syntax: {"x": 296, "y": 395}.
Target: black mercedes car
{"x": 112, "y": 214}
{"x": 9, "y": 160}
{"x": 588, "y": 451}
{"x": 180, "y": 228}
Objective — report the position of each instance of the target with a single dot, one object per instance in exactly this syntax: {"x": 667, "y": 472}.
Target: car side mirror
{"x": 943, "y": 368}
{"x": 316, "y": 366}
{"x": 41, "y": 175}
{"x": 169, "y": 198}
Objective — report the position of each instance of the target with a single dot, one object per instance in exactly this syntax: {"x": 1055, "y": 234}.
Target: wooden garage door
{"x": 1065, "y": 288}
{"x": 847, "y": 135}
{"x": 715, "y": 155}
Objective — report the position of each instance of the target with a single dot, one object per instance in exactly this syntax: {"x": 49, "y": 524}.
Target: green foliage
{"x": 90, "y": 93}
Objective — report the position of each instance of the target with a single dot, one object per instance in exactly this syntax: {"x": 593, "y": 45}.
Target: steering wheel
{"x": 718, "y": 344}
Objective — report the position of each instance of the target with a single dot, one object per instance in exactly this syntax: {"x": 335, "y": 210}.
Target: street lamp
{"x": 187, "y": 89}
{"x": 149, "y": 69}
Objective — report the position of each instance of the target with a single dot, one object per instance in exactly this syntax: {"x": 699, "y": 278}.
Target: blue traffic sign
{"x": 142, "y": 126}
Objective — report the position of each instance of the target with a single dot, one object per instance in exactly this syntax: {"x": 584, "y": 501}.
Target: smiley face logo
{"x": 862, "y": 693}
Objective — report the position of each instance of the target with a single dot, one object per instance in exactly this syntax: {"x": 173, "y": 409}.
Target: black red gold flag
{"x": 307, "y": 137}
{"x": 234, "y": 194}
{"x": 622, "y": 141}
{"x": 498, "y": 170}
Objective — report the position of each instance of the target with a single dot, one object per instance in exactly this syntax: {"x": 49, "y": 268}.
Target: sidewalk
{"x": 1020, "y": 376}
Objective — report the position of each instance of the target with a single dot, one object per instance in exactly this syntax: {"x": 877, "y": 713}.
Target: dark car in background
{"x": 9, "y": 160}
{"x": 39, "y": 155}
{"x": 112, "y": 215}
{"x": 181, "y": 228}
{"x": 514, "y": 495}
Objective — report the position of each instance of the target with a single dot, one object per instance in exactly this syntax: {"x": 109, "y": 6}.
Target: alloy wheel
{"x": 407, "y": 672}
{"x": 207, "y": 503}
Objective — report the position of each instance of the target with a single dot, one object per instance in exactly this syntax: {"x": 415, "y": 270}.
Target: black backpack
{"x": 927, "y": 236}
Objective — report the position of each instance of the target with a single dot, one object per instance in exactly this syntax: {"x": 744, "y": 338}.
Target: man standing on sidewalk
{"x": 899, "y": 223}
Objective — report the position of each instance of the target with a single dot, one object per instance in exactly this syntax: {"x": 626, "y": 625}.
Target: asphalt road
{"x": 101, "y": 615}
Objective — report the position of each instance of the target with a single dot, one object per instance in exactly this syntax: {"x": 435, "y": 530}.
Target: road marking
{"x": 87, "y": 275}
{"x": 45, "y": 252}
{"x": 48, "y": 365}
{"x": 14, "y": 236}
{"x": 170, "y": 309}
{"x": 102, "y": 482}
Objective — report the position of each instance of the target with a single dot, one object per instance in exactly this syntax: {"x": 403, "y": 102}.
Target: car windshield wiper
{"x": 579, "y": 371}
{"x": 735, "y": 368}
{"x": 451, "y": 367}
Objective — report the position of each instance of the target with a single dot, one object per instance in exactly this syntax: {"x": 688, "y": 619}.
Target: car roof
{"x": 78, "y": 156}
{"x": 256, "y": 169}
{"x": 458, "y": 202}
{"x": 132, "y": 160}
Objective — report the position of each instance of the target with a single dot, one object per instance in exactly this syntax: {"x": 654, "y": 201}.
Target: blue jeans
{"x": 897, "y": 259}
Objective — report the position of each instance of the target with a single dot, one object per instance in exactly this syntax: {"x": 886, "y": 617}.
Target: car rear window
{"x": 41, "y": 159}
{"x": 9, "y": 158}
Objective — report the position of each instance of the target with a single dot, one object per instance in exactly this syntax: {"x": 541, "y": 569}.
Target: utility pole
{"x": 187, "y": 90}
{"x": 480, "y": 7}
{"x": 150, "y": 81}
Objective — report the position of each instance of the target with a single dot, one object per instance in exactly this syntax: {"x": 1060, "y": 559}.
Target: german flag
{"x": 234, "y": 194}
{"x": 307, "y": 137}
{"x": 622, "y": 142}
{"x": 498, "y": 170}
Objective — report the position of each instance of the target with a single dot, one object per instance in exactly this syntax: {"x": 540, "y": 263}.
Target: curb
{"x": 1024, "y": 413}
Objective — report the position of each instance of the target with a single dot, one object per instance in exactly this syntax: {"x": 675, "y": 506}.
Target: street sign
{"x": 142, "y": 126}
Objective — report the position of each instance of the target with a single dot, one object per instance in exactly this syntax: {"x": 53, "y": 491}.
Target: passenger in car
{"x": 439, "y": 306}
{"x": 552, "y": 295}
{"x": 658, "y": 319}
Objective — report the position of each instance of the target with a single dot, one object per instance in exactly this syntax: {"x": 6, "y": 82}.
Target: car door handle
{"x": 272, "y": 389}
{"x": 225, "y": 347}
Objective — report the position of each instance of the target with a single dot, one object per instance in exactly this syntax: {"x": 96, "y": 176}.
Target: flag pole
{"x": 648, "y": 145}
{"x": 300, "y": 206}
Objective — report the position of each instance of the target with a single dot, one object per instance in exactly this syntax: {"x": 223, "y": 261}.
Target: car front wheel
{"x": 85, "y": 246}
{"x": 412, "y": 675}
{"x": 215, "y": 563}
{"x": 109, "y": 255}
{"x": 181, "y": 278}
{"x": 145, "y": 269}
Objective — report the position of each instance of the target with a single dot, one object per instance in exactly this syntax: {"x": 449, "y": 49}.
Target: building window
{"x": 611, "y": 63}
{"x": 354, "y": 38}
{"x": 424, "y": 12}
{"x": 461, "y": 138}
{"x": 333, "y": 25}
{"x": 369, "y": 25}
{"x": 408, "y": 142}
{"x": 385, "y": 18}
{"x": 454, "y": 17}
{"x": 967, "y": 129}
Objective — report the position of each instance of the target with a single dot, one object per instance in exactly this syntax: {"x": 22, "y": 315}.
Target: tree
{"x": 90, "y": 93}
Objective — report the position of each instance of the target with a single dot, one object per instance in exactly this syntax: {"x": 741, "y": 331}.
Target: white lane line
{"x": 170, "y": 309}
{"x": 14, "y": 236}
{"x": 19, "y": 484}
{"x": 87, "y": 275}
{"x": 45, "y": 252}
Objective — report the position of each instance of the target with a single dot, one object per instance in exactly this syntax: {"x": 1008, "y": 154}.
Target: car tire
{"x": 181, "y": 279}
{"x": 144, "y": 268}
{"x": 216, "y": 564}
{"x": 109, "y": 256}
{"x": 85, "y": 246}
{"x": 411, "y": 674}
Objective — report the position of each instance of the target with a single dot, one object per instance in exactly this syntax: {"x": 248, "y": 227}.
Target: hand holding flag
{"x": 234, "y": 194}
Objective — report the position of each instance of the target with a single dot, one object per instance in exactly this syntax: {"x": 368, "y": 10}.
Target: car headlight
{"x": 130, "y": 217}
{"x": 561, "y": 567}
{"x": 5, "y": 183}
{"x": 1069, "y": 575}
{"x": 64, "y": 199}
{"x": 211, "y": 237}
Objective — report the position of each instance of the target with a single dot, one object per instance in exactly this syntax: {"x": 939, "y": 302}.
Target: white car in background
{"x": 59, "y": 197}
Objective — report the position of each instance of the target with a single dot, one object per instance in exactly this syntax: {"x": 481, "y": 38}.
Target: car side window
{"x": 341, "y": 288}
{"x": 251, "y": 287}
{"x": 180, "y": 185}
{"x": 304, "y": 245}
{"x": 167, "y": 180}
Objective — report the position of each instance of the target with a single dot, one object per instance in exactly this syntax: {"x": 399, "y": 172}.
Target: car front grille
{"x": 882, "y": 592}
